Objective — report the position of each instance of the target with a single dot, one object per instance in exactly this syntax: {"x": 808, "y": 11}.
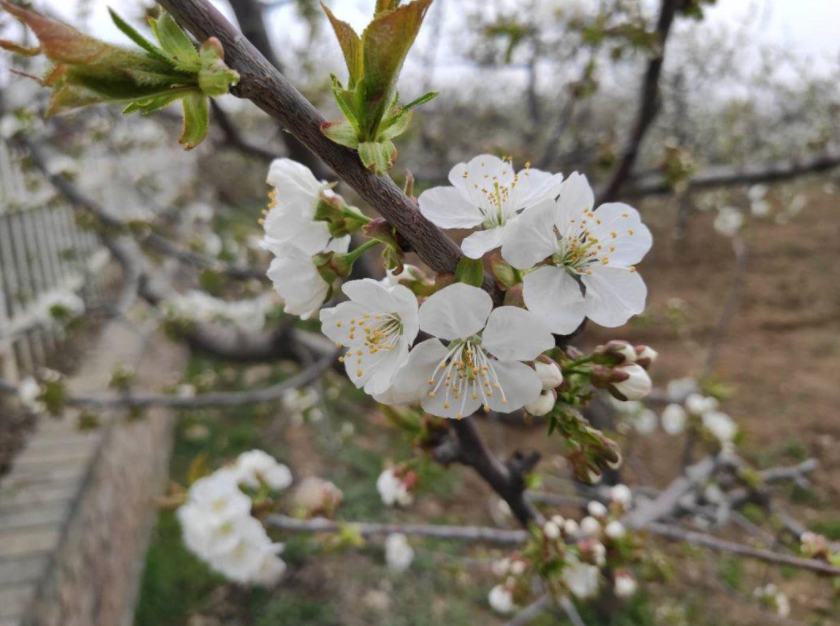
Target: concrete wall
{"x": 77, "y": 507}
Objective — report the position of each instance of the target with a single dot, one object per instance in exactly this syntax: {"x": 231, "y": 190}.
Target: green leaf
{"x": 196, "y": 120}
{"x": 351, "y": 46}
{"x": 151, "y": 105}
{"x": 136, "y": 37}
{"x": 386, "y": 42}
{"x": 395, "y": 125}
{"x": 345, "y": 101}
{"x": 341, "y": 133}
{"x": 422, "y": 100}
{"x": 175, "y": 43}
{"x": 378, "y": 156}
{"x": 470, "y": 272}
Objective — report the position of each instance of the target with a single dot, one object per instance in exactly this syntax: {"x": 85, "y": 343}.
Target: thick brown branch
{"x": 730, "y": 176}
{"x": 266, "y": 87}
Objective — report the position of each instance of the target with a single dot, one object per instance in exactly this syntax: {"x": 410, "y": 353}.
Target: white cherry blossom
{"x": 486, "y": 192}
{"x": 674, "y": 418}
{"x": 398, "y": 553}
{"x": 256, "y": 467}
{"x": 729, "y": 221}
{"x": 587, "y": 258}
{"x": 500, "y": 599}
{"x": 581, "y": 579}
{"x": 722, "y": 427}
{"x": 291, "y": 216}
{"x": 298, "y": 281}
{"x": 392, "y": 489}
{"x": 482, "y": 364}
{"x": 377, "y": 326}
{"x": 29, "y": 394}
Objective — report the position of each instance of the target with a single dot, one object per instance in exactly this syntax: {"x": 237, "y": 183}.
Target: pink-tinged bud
{"x": 615, "y": 352}
{"x": 549, "y": 372}
{"x": 543, "y": 404}
{"x": 646, "y": 356}
{"x": 635, "y": 386}
{"x": 573, "y": 353}
{"x": 625, "y": 584}
{"x": 602, "y": 376}
{"x": 514, "y": 297}
{"x": 214, "y": 45}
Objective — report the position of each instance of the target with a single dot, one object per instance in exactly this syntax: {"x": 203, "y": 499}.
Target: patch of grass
{"x": 287, "y": 607}
{"x": 829, "y": 527}
{"x": 731, "y": 570}
{"x": 174, "y": 582}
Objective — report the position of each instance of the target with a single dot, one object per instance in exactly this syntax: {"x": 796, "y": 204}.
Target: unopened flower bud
{"x": 596, "y": 509}
{"x": 551, "y": 530}
{"x": 615, "y": 352}
{"x": 543, "y": 404}
{"x": 625, "y": 584}
{"x": 621, "y": 494}
{"x": 549, "y": 372}
{"x": 571, "y": 527}
{"x": 646, "y": 356}
{"x": 635, "y": 386}
{"x": 590, "y": 526}
{"x": 615, "y": 530}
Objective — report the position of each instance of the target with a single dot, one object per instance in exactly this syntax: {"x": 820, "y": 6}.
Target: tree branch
{"x": 648, "y": 103}
{"x": 266, "y": 87}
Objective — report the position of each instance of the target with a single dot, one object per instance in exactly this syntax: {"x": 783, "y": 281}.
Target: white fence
{"x": 42, "y": 251}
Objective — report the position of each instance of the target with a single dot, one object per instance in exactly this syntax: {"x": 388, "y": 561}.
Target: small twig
{"x": 213, "y": 399}
{"x": 571, "y": 611}
{"x": 720, "y": 545}
{"x": 478, "y": 534}
{"x": 532, "y": 611}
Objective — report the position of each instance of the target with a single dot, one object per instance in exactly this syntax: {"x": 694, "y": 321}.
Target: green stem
{"x": 353, "y": 256}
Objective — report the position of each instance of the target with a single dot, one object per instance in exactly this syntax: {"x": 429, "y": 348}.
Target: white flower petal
{"x": 576, "y": 196}
{"x": 516, "y": 334}
{"x": 447, "y": 207}
{"x": 371, "y": 293}
{"x": 621, "y": 228}
{"x": 613, "y": 295}
{"x": 412, "y": 382}
{"x": 520, "y": 385}
{"x": 483, "y": 241}
{"x": 455, "y": 312}
{"x": 298, "y": 282}
{"x": 555, "y": 297}
{"x": 530, "y": 238}
{"x": 289, "y": 174}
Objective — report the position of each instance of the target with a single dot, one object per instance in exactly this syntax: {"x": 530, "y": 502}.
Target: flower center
{"x": 578, "y": 248}
{"x": 466, "y": 371}
{"x": 498, "y": 203}
{"x": 369, "y": 334}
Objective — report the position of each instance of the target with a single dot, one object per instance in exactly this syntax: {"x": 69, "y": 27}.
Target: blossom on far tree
{"x": 500, "y": 599}
{"x": 698, "y": 404}
{"x": 581, "y": 579}
{"x": 621, "y": 494}
{"x": 377, "y": 326}
{"x": 482, "y": 365}
{"x": 298, "y": 281}
{"x": 30, "y": 395}
{"x": 487, "y": 192}
{"x": 395, "y": 488}
{"x": 720, "y": 425}
{"x": 674, "y": 418}
{"x": 728, "y": 221}
{"x": 625, "y": 584}
{"x": 587, "y": 258}
{"x": 398, "y": 553}
{"x": 256, "y": 467}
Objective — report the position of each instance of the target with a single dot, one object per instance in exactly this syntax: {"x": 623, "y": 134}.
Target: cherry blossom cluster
{"x": 770, "y": 597}
{"x": 560, "y": 259}
{"x": 218, "y": 525}
{"x": 248, "y": 315}
{"x": 571, "y": 557}
{"x": 395, "y": 486}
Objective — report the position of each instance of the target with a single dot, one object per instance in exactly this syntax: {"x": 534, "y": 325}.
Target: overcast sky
{"x": 810, "y": 26}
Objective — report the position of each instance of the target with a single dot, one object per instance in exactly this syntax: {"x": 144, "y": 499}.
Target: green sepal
{"x": 395, "y": 125}
{"x": 151, "y": 105}
{"x": 215, "y": 78}
{"x": 135, "y": 36}
{"x": 470, "y": 272}
{"x": 196, "y": 120}
{"x": 422, "y": 100}
{"x": 341, "y": 133}
{"x": 175, "y": 43}
{"x": 378, "y": 156}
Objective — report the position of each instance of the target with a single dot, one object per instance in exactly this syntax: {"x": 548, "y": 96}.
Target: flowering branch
{"x": 270, "y": 90}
